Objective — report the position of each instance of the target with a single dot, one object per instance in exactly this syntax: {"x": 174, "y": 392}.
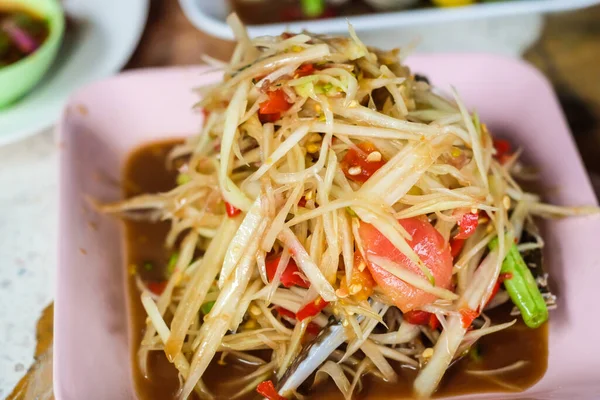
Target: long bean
{"x": 522, "y": 288}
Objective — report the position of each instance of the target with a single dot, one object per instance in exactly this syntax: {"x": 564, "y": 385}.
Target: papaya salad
{"x": 337, "y": 218}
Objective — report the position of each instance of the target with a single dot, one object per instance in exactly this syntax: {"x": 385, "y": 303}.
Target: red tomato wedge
{"x": 429, "y": 246}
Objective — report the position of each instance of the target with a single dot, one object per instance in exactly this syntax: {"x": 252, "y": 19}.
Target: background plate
{"x": 101, "y": 39}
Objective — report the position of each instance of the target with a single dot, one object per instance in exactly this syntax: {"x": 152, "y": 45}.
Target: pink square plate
{"x": 103, "y": 122}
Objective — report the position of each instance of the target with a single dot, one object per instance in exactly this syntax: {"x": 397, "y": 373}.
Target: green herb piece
{"x": 477, "y": 122}
{"x": 206, "y": 307}
{"x": 475, "y": 353}
{"x": 324, "y": 88}
{"x": 172, "y": 263}
{"x": 148, "y": 266}
{"x": 182, "y": 179}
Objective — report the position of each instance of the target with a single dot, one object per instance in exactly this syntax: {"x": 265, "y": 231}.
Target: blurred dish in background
{"x": 97, "y": 43}
{"x": 274, "y": 11}
{"x": 209, "y": 15}
{"x": 31, "y": 32}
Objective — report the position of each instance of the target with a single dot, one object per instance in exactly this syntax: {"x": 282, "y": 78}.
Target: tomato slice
{"x": 429, "y": 246}
{"x": 290, "y": 276}
{"x": 357, "y": 166}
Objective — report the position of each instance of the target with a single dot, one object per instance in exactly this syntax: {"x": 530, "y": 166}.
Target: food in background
{"x": 21, "y": 34}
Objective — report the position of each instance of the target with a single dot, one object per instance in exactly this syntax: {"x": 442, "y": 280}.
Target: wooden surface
{"x": 568, "y": 53}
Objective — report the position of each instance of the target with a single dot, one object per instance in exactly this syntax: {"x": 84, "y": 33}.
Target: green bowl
{"x": 19, "y": 78}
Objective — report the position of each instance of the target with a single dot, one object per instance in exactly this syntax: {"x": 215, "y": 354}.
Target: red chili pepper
{"x": 267, "y": 389}
{"x": 290, "y": 276}
{"x": 503, "y": 149}
{"x": 285, "y": 312}
{"x": 456, "y": 246}
{"x": 434, "y": 323}
{"x": 418, "y": 317}
{"x": 501, "y": 278}
{"x": 467, "y": 225}
{"x": 157, "y": 287}
{"x": 313, "y": 329}
{"x": 311, "y": 309}
{"x": 302, "y": 202}
{"x": 276, "y": 104}
{"x": 305, "y": 69}
{"x": 362, "y": 169}
{"x": 231, "y": 210}
{"x": 467, "y": 316}
{"x": 264, "y": 118}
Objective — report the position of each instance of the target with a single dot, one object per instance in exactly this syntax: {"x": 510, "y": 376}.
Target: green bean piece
{"x": 522, "y": 288}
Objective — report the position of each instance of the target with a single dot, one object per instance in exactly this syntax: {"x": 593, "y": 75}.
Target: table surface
{"x": 568, "y": 53}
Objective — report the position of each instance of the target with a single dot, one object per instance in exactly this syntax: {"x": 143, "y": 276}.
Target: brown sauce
{"x": 145, "y": 173}
{"x": 21, "y": 34}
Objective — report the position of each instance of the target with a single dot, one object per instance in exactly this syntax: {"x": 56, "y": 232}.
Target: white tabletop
{"x": 28, "y": 217}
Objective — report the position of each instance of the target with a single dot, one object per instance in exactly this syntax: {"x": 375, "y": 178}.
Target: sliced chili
{"x": 467, "y": 225}
{"x": 290, "y": 276}
{"x": 418, "y": 317}
{"x": 157, "y": 287}
{"x": 467, "y": 316}
{"x": 456, "y": 246}
{"x": 503, "y": 149}
{"x": 267, "y": 389}
{"x": 311, "y": 309}
{"x": 305, "y": 69}
{"x": 231, "y": 210}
